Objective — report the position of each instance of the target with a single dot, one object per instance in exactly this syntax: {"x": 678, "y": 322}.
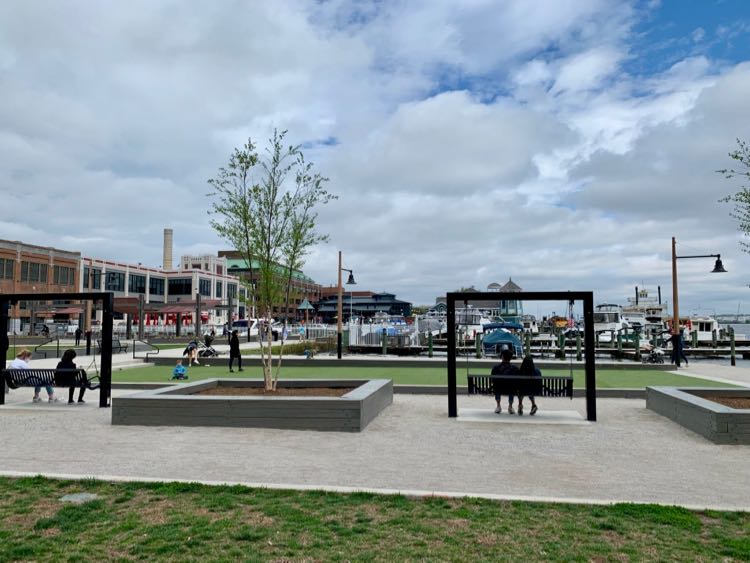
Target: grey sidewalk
{"x": 631, "y": 454}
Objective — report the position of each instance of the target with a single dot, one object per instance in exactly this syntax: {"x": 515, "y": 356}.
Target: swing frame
{"x": 108, "y": 307}
{"x": 587, "y": 297}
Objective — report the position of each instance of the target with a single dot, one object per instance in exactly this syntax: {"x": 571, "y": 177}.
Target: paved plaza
{"x": 630, "y": 454}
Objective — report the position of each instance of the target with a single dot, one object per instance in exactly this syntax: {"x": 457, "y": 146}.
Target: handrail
{"x": 150, "y": 352}
{"x": 36, "y": 348}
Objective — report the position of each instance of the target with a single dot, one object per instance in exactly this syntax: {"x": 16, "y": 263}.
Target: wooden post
{"x": 385, "y": 342}
{"x": 579, "y": 356}
{"x": 733, "y": 357}
{"x": 429, "y": 344}
{"x": 478, "y": 346}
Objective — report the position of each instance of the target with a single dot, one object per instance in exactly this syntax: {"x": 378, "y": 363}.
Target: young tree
{"x": 271, "y": 224}
{"x": 302, "y": 235}
{"x": 741, "y": 199}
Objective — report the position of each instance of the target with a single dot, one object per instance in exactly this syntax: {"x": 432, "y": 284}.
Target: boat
{"x": 704, "y": 326}
{"x": 645, "y": 313}
{"x": 529, "y": 324}
{"x": 471, "y": 321}
{"x": 497, "y": 336}
{"x": 608, "y": 321}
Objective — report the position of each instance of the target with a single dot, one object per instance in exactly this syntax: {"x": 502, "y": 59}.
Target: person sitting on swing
{"x": 528, "y": 369}
{"x": 504, "y": 368}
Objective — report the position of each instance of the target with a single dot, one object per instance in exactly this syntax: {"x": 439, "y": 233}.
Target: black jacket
{"x": 234, "y": 346}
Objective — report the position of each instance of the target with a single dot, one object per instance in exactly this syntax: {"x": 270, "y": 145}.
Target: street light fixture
{"x": 718, "y": 269}
{"x": 339, "y": 324}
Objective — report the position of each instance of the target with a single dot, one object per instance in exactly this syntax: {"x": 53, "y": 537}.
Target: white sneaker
{"x": 53, "y": 399}
{"x": 510, "y": 410}
{"x": 498, "y": 410}
{"x": 36, "y": 400}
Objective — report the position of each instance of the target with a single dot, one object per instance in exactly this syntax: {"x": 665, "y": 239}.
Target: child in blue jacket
{"x": 179, "y": 371}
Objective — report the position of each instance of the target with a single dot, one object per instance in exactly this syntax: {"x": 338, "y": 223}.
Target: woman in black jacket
{"x": 234, "y": 351}
{"x": 66, "y": 378}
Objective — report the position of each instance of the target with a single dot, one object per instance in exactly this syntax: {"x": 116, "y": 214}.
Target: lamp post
{"x": 339, "y": 327}
{"x": 718, "y": 269}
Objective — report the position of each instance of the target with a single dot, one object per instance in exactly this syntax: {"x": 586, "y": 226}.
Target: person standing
{"x": 678, "y": 353}
{"x": 78, "y": 334}
{"x": 234, "y": 351}
{"x": 504, "y": 368}
{"x": 22, "y": 362}
{"x": 67, "y": 378}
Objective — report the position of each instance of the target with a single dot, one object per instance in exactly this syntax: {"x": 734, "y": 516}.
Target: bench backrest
{"x": 545, "y": 386}
{"x": 43, "y": 376}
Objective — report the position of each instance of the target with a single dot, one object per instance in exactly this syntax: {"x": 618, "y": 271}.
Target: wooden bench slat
{"x": 544, "y": 386}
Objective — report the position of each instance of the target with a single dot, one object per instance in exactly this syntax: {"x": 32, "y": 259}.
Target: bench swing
{"x": 522, "y": 385}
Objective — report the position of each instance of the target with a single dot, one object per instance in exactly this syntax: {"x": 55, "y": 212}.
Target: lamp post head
{"x": 718, "y": 267}
{"x": 351, "y": 281}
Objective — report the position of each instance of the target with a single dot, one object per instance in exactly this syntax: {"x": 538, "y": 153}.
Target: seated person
{"x": 529, "y": 369}
{"x": 504, "y": 368}
{"x": 179, "y": 371}
{"x": 67, "y": 378}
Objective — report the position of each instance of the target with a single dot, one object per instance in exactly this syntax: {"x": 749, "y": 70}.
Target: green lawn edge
{"x": 605, "y": 379}
{"x": 196, "y": 522}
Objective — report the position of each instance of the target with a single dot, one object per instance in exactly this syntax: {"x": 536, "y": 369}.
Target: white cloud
{"x": 475, "y": 141}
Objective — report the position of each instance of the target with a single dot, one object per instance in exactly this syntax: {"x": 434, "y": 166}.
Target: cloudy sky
{"x": 561, "y": 144}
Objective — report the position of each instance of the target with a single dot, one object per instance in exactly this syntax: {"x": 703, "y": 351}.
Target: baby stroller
{"x": 653, "y": 356}
{"x": 205, "y": 350}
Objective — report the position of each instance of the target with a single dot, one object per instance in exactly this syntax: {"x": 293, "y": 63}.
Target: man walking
{"x": 78, "y": 334}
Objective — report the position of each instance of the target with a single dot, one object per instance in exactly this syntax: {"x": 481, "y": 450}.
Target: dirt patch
{"x": 732, "y": 402}
{"x": 281, "y": 392}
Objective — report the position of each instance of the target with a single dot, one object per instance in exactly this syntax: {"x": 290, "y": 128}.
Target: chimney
{"x": 167, "y": 258}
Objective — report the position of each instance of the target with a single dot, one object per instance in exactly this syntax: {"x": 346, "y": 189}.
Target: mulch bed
{"x": 280, "y": 392}
{"x": 733, "y": 402}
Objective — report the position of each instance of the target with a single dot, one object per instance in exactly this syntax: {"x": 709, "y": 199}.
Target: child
{"x": 179, "y": 371}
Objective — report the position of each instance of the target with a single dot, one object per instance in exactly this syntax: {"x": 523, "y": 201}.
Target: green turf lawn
{"x": 192, "y": 522}
{"x": 407, "y": 376}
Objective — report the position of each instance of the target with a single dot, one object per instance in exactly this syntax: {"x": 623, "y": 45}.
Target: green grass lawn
{"x": 407, "y": 376}
{"x": 191, "y": 522}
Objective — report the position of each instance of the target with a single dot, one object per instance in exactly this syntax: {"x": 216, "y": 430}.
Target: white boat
{"x": 470, "y": 321}
{"x": 645, "y": 312}
{"x": 529, "y": 324}
{"x": 704, "y": 326}
{"x": 608, "y": 319}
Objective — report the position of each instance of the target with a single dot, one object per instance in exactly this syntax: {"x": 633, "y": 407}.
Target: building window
{"x": 33, "y": 272}
{"x": 219, "y": 269}
{"x": 232, "y": 290}
{"x": 115, "y": 281}
{"x": 156, "y": 286}
{"x": 196, "y": 266}
{"x": 97, "y": 279}
{"x": 180, "y": 286}
{"x": 137, "y": 283}
{"x": 6, "y": 268}
{"x": 219, "y": 289}
{"x": 204, "y": 287}
{"x": 63, "y": 275}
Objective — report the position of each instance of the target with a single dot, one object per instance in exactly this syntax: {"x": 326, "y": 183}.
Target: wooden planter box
{"x": 691, "y": 408}
{"x": 178, "y": 405}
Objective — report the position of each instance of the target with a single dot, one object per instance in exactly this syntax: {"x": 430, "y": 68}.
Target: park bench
{"x": 520, "y": 385}
{"x": 41, "y": 377}
{"x": 117, "y": 346}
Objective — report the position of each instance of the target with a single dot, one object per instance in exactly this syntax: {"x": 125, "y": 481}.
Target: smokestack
{"x": 659, "y": 288}
{"x": 636, "y": 295}
{"x": 167, "y": 258}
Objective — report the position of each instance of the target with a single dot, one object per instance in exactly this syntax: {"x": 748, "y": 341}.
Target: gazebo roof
{"x": 305, "y": 306}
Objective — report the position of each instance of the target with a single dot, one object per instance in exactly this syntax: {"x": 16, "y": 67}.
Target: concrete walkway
{"x": 631, "y": 454}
